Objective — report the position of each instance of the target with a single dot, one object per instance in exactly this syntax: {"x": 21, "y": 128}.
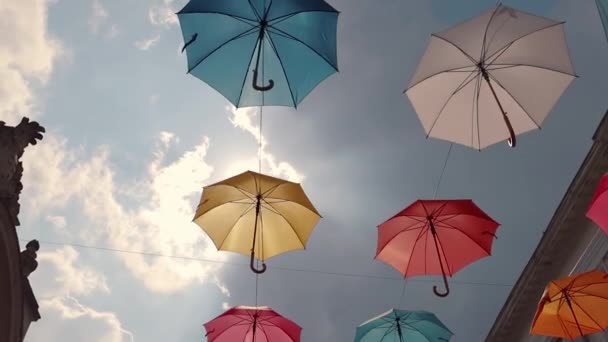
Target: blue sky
{"x": 131, "y": 139}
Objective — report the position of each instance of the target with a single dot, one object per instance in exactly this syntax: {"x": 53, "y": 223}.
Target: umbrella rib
{"x": 282, "y": 19}
{"x": 264, "y": 331}
{"x": 485, "y": 33}
{"x": 514, "y": 99}
{"x": 412, "y": 327}
{"x": 388, "y": 331}
{"x": 271, "y": 190}
{"x": 289, "y": 224}
{"x": 486, "y": 46}
{"x": 476, "y": 111}
{"x": 233, "y": 16}
{"x": 235, "y": 222}
{"x": 449, "y": 226}
{"x": 445, "y": 257}
{"x": 526, "y": 35}
{"x": 244, "y": 192}
{"x": 281, "y": 64}
{"x": 473, "y": 60}
{"x": 457, "y": 69}
{"x": 289, "y": 15}
{"x": 287, "y": 35}
{"x": 505, "y": 66}
{"x": 240, "y": 35}
{"x": 409, "y": 228}
{"x": 247, "y": 72}
{"x": 255, "y": 11}
{"x": 233, "y": 325}
{"x": 464, "y": 83}
{"x": 564, "y": 327}
{"x": 283, "y": 330}
{"x": 588, "y": 315}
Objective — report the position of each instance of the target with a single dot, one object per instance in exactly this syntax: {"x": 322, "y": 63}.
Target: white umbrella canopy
{"x": 491, "y": 78}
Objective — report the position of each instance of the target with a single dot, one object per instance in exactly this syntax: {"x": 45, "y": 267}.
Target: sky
{"x": 131, "y": 139}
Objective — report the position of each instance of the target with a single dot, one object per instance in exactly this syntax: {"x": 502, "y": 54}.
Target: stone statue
{"x": 13, "y": 141}
{"x": 28, "y": 258}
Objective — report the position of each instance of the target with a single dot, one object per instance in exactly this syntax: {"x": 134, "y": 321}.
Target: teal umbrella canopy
{"x": 403, "y": 326}
{"x": 260, "y": 52}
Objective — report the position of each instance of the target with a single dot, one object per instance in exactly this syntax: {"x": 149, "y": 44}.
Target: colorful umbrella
{"x": 257, "y": 215}
{"x": 432, "y": 237}
{"x": 291, "y": 43}
{"x": 252, "y": 324}
{"x": 598, "y": 210}
{"x": 491, "y": 77}
{"x": 574, "y": 306}
{"x": 403, "y": 326}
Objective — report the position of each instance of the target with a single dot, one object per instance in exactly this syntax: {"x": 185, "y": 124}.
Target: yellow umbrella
{"x": 257, "y": 215}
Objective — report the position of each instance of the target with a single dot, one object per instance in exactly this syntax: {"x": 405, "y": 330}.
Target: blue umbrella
{"x": 289, "y": 46}
{"x": 403, "y": 326}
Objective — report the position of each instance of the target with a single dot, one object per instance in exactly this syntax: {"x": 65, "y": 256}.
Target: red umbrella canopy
{"x": 436, "y": 237}
{"x": 598, "y": 211}
{"x": 252, "y": 324}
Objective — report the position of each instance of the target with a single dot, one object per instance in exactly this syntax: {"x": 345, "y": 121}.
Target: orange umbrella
{"x": 574, "y": 306}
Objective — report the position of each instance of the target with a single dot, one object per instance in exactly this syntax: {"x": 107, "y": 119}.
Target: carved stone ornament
{"x": 13, "y": 141}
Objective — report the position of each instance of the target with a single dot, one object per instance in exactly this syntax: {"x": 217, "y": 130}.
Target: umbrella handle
{"x": 447, "y": 288}
{"x": 512, "y": 141}
{"x": 252, "y": 266}
{"x": 194, "y": 36}
{"x": 257, "y": 87}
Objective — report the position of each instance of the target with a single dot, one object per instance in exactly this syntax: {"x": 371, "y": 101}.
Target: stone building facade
{"x": 571, "y": 243}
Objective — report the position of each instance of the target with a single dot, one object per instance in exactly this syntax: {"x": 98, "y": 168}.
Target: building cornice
{"x": 557, "y": 251}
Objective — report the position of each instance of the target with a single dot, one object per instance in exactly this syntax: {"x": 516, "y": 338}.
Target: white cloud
{"x": 221, "y": 286}
{"x": 146, "y": 44}
{"x": 162, "y": 13}
{"x": 27, "y": 53}
{"x": 59, "y": 273}
{"x": 58, "y": 224}
{"x": 99, "y": 15}
{"x": 160, "y": 222}
{"x": 65, "y": 319}
{"x": 243, "y": 119}
{"x": 225, "y": 306}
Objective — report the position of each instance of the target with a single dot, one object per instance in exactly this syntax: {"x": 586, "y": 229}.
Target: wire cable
{"x": 278, "y": 268}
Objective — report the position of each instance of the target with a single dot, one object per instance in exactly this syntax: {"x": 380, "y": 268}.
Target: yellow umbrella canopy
{"x": 256, "y": 215}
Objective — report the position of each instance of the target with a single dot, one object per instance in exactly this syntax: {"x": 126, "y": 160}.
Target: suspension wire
{"x": 257, "y": 275}
{"x": 445, "y": 164}
{"x": 238, "y": 264}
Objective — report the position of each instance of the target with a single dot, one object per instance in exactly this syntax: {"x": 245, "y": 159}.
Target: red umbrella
{"x": 252, "y": 324}
{"x": 432, "y": 237}
{"x": 598, "y": 211}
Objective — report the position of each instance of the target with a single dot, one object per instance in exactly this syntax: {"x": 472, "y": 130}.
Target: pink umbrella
{"x": 252, "y": 324}
{"x": 598, "y": 211}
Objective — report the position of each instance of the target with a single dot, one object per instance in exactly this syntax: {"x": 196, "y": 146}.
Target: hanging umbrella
{"x": 256, "y": 215}
{"x": 403, "y": 326}
{"x": 289, "y": 44}
{"x": 252, "y": 324}
{"x": 432, "y": 237}
{"x": 598, "y": 210}
{"x": 574, "y": 306}
{"x": 491, "y": 77}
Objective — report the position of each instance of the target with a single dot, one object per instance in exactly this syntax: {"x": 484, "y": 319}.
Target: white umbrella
{"x": 491, "y": 77}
